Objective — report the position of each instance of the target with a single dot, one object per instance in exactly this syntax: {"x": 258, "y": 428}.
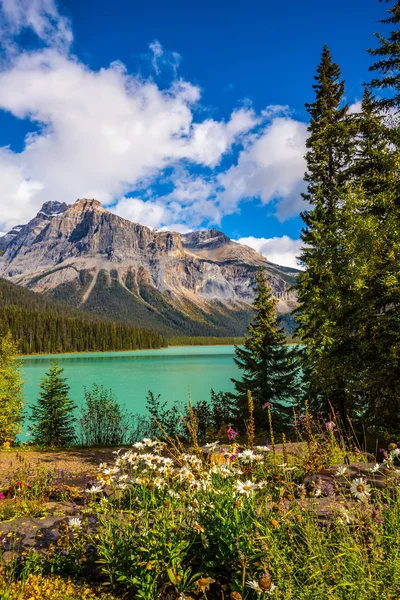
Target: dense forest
{"x": 349, "y": 291}
{"x": 43, "y": 325}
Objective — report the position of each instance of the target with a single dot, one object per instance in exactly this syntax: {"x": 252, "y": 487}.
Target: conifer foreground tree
{"x": 11, "y": 393}
{"x": 270, "y": 367}
{"x": 52, "y": 416}
{"x": 330, "y": 147}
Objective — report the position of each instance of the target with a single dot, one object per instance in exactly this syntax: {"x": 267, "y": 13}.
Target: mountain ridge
{"x": 199, "y": 283}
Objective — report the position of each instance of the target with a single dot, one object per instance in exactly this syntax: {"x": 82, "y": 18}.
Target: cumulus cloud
{"x": 110, "y": 133}
{"x": 41, "y": 16}
{"x": 271, "y": 166}
{"x": 280, "y": 250}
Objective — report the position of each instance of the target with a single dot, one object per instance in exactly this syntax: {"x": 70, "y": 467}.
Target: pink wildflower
{"x": 231, "y": 433}
{"x": 330, "y": 425}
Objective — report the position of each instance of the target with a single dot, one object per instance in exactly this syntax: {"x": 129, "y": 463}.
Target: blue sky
{"x": 173, "y": 114}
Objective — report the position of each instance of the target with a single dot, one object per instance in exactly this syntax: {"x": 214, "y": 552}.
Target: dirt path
{"x": 75, "y": 462}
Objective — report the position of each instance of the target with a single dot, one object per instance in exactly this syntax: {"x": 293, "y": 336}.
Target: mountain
{"x": 40, "y": 324}
{"x": 200, "y": 283}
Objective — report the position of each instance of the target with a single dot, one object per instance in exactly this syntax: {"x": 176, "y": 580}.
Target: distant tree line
{"x": 41, "y": 325}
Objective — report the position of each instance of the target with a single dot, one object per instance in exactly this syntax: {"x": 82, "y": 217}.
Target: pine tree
{"x": 388, "y": 61}
{"x": 373, "y": 243}
{"x": 330, "y": 150}
{"x": 11, "y": 391}
{"x": 270, "y": 367}
{"x": 52, "y": 416}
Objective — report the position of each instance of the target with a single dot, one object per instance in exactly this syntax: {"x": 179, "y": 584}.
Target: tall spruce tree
{"x": 270, "y": 367}
{"x": 330, "y": 148}
{"x": 52, "y": 416}
{"x": 382, "y": 188}
{"x": 387, "y": 65}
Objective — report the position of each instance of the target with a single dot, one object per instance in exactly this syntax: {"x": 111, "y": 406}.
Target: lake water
{"x": 170, "y": 372}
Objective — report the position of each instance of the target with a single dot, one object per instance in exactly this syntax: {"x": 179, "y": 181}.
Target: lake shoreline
{"x": 100, "y": 352}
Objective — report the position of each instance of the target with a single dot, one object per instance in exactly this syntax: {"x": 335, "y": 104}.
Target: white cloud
{"x": 280, "y": 250}
{"x": 271, "y": 166}
{"x": 144, "y": 212}
{"x": 162, "y": 58}
{"x": 41, "y": 16}
{"x": 104, "y": 132}
{"x": 108, "y": 133}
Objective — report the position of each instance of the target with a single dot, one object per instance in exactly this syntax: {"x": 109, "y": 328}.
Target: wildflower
{"x": 360, "y": 489}
{"x": 341, "y": 471}
{"x": 75, "y": 523}
{"x": 148, "y": 442}
{"x": 330, "y": 425}
{"x": 159, "y": 482}
{"x": 247, "y": 456}
{"x": 255, "y": 585}
{"x": 344, "y": 518}
{"x": 375, "y": 468}
{"x": 231, "y": 433}
{"x": 198, "y": 528}
{"x": 212, "y": 445}
{"x": 95, "y": 489}
{"x": 173, "y": 494}
{"x": 301, "y": 489}
{"x": 203, "y": 584}
{"x": 317, "y": 492}
{"x": 245, "y": 488}
{"x": 236, "y": 596}
{"x": 268, "y": 405}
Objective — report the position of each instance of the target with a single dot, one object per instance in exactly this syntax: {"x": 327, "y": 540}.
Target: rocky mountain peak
{"x": 53, "y": 208}
{"x": 86, "y": 255}
{"x": 87, "y": 205}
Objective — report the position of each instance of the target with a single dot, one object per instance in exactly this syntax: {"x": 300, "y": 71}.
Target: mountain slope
{"x": 200, "y": 283}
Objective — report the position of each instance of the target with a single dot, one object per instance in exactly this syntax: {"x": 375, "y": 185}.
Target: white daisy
{"x": 247, "y": 456}
{"x": 246, "y": 487}
{"x": 75, "y": 523}
{"x": 360, "y": 489}
{"x": 341, "y": 471}
{"x": 95, "y": 489}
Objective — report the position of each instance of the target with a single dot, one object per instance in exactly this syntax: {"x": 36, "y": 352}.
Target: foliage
{"x": 11, "y": 392}
{"x": 235, "y": 523}
{"x": 270, "y": 367}
{"x": 102, "y": 422}
{"x": 39, "y": 324}
{"x": 211, "y": 417}
{"x": 56, "y": 587}
{"x": 52, "y": 416}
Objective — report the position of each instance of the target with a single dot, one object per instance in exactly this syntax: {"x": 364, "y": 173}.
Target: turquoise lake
{"x": 170, "y": 372}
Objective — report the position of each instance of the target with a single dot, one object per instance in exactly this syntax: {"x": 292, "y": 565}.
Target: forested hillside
{"x": 43, "y": 325}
